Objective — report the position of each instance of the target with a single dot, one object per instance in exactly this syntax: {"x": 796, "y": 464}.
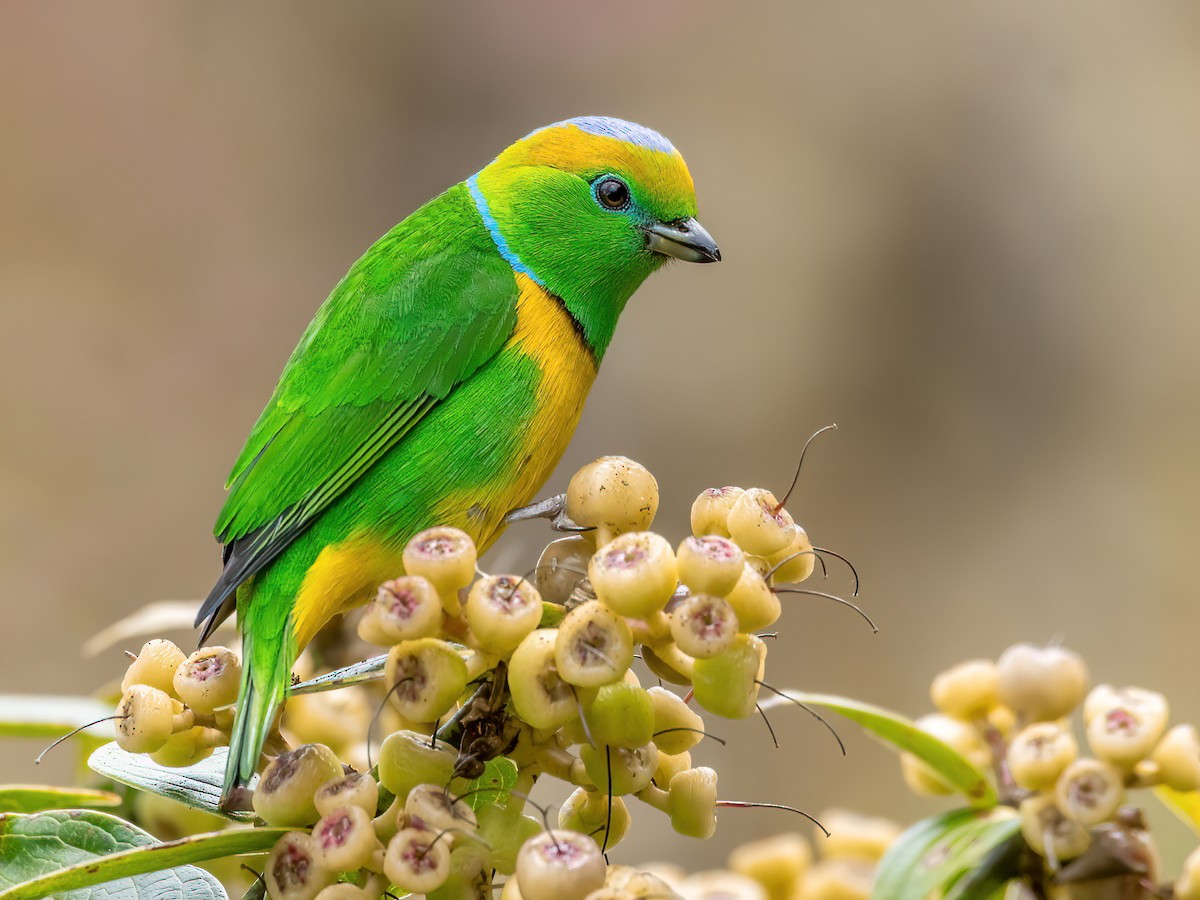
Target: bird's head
{"x": 589, "y": 207}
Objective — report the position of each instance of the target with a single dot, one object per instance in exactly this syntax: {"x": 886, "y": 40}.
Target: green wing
{"x": 418, "y": 314}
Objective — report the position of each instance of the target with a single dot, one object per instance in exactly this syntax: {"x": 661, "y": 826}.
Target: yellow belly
{"x": 346, "y": 574}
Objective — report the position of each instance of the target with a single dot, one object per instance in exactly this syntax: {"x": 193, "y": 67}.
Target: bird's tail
{"x": 266, "y": 674}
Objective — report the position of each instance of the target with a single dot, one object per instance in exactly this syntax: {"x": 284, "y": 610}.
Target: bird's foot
{"x": 552, "y": 508}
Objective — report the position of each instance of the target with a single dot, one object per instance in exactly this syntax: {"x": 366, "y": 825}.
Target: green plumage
{"x": 408, "y": 402}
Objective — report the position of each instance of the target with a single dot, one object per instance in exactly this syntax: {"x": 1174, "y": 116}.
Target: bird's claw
{"x": 552, "y": 508}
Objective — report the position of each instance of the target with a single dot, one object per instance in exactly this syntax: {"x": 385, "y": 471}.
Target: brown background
{"x": 966, "y": 232}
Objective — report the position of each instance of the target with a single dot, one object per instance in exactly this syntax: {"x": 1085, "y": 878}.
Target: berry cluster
{"x": 177, "y": 708}
{"x": 534, "y": 668}
{"x": 1012, "y": 717}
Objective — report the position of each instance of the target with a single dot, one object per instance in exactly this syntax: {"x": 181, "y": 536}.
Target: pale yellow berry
{"x": 1178, "y": 758}
{"x": 403, "y": 609}
{"x": 1089, "y": 791}
{"x": 284, "y": 795}
{"x": 155, "y": 666}
{"x": 594, "y": 646}
{"x": 1040, "y": 683}
{"x": 344, "y": 839}
{"x": 634, "y": 574}
{"x": 759, "y": 523}
{"x": 1038, "y": 754}
{"x": 354, "y": 789}
{"x": 777, "y": 863}
{"x": 839, "y": 879}
{"x": 693, "y": 802}
{"x": 291, "y": 872}
{"x": 425, "y": 677}
{"x": 446, "y": 556}
{"x": 559, "y": 865}
{"x": 1187, "y": 886}
{"x": 1124, "y": 732}
{"x": 754, "y": 603}
{"x": 417, "y": 860}
{"x": 710, "y": 564}
{"x": 604, "y": 819}
{"x": 853, "y": 834}
{"x": 677, "y": 727}
{"x": 968, "y": 690}
{"x": 710, "y": 511}
{"x": 703, "y": 625}
{"x": 188, "y": 747}
{"x": 795, "y": 562}
{"x": 540, "y": 696}
{"x": 1050, "y": 833}
{"x": 614, "y": 495}
{"x": 146, "y": 717}
{"x": 208, "y": 679}
{"x": 501, "y": 610}
{"x": 721, "y": 885}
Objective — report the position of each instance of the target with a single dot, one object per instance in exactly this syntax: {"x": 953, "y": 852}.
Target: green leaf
{"x": 30, "y": 798}
{"x": 903, "y": 734}
{"x": 198, "y": 786}
{"x": 30, "y": 715}
{"x": 495, "y": 784}
{"x": 1185, "y": 805}
{"x": 63, "y": 854}
{"x": 936, "y": 853}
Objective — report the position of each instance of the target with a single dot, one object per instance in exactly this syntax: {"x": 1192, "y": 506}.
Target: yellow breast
{"x": 547, "y": 334}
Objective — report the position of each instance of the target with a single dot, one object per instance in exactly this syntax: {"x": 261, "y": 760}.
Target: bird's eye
{"x": 612, "y": 193}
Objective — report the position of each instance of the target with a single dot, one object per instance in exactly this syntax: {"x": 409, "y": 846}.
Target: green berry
{"x": 591, "y": 812}
{"x": 408, "y": 758}
{"x": 727, "y": 684}
{"x": 632, "y": 768}
{"x": 621, "y": 714}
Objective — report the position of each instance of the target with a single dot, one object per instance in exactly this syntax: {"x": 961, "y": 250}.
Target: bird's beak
{"x": 685, "y": 239}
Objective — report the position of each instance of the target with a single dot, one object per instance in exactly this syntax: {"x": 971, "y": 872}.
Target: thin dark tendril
{"x": 808, "y": 709}
{"x": 850, "y": 565}
{"x": 783, "y": 562}
{"x": 379, "y": 712}
{"x": 834, "y": 597}
{"x": 762, "y": 712}
{"x": 800, "y": 464}
{"x": 72, "y": 733}
{"x": 758, "y": 804}
{"x": 587, "y": 729}
{"x": 773, "y": 635}
{"x": 711, "y": 737}
{"x": 608, "y": 812}
{"x": 258, "y": 876}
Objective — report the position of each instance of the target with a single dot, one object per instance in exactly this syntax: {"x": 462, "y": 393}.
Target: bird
{"x": 438, "y": 384}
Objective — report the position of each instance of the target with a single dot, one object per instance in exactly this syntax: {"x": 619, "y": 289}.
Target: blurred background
{"x": 965, "y": 232}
